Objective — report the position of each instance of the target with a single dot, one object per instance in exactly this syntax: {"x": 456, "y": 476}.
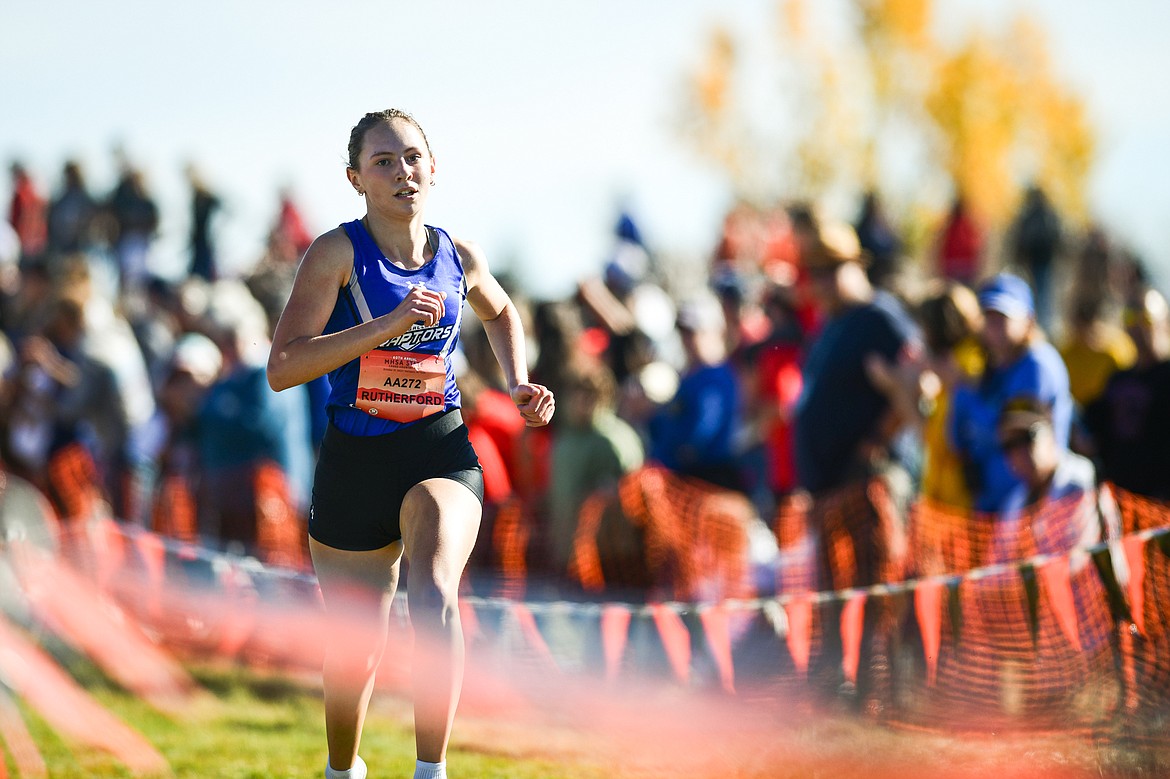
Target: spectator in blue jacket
{"x": 694, "y": 434}
{"x": 1020, "y": 363}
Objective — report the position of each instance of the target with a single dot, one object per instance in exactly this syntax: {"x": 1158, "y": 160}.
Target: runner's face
{"x": 395, "y": 168}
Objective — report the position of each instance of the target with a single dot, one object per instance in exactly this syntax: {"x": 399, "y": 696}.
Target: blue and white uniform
{"x": 375, "y": 287}
{"x": 394, "y": 411}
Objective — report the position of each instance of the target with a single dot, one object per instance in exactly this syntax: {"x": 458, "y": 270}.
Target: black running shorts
{"x": 361, "y": 481}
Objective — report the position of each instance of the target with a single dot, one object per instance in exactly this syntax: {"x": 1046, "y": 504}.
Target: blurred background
{"x": 664, "y": 188}
{"x": 546, "y": 121}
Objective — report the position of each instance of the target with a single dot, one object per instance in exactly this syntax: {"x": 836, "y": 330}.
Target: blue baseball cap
{"x": 1008, "y": 294}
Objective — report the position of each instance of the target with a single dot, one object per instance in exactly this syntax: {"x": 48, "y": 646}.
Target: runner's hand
{"x": 421, "y": 306}
{"x": 535, "y": 402}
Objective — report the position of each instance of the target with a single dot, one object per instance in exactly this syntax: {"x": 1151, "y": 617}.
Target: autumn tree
{"x": 885, "y": 105}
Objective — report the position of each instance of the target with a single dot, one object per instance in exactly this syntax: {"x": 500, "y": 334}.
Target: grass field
{"x": 255, "y": 725}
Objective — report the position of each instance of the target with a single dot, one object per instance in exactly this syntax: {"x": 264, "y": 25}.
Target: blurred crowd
{"x": 805, "y": 359}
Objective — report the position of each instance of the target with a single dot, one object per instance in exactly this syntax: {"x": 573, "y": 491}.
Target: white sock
{"x": 424, "y": 770}
{"x": 355, "y": 771}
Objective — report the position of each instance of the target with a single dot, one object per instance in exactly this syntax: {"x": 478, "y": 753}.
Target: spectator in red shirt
{"x": 960, "y": 248}
{"x": 26, "y": 214}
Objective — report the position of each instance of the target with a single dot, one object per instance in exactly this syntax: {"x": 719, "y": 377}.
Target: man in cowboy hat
{"x": 843, "y": 423}
{"x": 845, "y": 426}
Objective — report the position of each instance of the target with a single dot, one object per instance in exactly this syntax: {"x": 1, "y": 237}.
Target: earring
{"x": 361, "y": 192}
{"x": 432, "y": 182}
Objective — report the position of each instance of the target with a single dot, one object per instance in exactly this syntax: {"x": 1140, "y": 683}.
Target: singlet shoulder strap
{"x": 438, "y": 234}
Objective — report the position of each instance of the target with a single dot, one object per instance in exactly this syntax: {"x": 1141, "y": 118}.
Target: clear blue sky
{"x": 543, "y": 116}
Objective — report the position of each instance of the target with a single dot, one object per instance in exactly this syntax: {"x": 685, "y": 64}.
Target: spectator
{"x": 559, "y": 330}
{"x": 1097, "y": 266}
{"x": 772, "y": 384}
{"x": 806, "y": 239}
{"x": 844, "y": 443}
{"x": 879, "y": 240}
{"x": 1034, "y": 240}
{"x": 746, "y": 324}
{"x": 204, "y": 205}
{"x": 290, "y": 225}
{"x": 1053, "y": 507}
{"x": 110, "y": 340}
{"x": 624, "y": 305}
{"x": 66, "y": 406}
{"x": 694, "y": 434}
{"x": 1129, "y": 424}
{"x": 9, "y": 267}
{"x": 27, "y": 213}
{"x": 651, "y": 381}
{"x": 842, "y": 423}
{"x": 951, "y": 324}
{"x": 960, "y": 245}
{"x": 25, "y": 311}
{"x": 592, "y": 449}
{"x": 72, "y": 213}
{"x": 245, "y": 429}
{"x": 491, "y": 412}
{"x": 1020, "y": 363}
{"x": 135, "y": 221}
{"x": 164, "y": 456}
{"x": 155, "y": 325}
{"x": 1093, "y": 350}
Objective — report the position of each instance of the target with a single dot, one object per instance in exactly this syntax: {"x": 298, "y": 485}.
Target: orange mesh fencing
{"x": 74, "y": 485}
{"x": 1053, "y": 620}
{"x": 275, "y": 528}
{"x": 686, "y": 539}
{"x": 280, "y": 532}
{"x": 1145, "y": 640}
{"x": 174, "y": 514}
{"x": 510, "y": 538}
{"x": 1028, "y": 639}
{"x": 952, "y": 620}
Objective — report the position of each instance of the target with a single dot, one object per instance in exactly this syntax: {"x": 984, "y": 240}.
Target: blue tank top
{"x": 409, "y": 377}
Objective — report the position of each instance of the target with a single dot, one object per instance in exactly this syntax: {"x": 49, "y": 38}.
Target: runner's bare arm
{"x": 501, "y": 322}
{"x": 300, "y": 352}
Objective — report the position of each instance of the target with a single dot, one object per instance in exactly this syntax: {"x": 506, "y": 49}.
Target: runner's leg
{"x": 357, "y": 588}
{"x": 440, "y": 520}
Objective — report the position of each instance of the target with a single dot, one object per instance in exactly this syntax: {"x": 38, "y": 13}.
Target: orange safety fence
{"x": 73, "y": 484}
{"x": 277, "y": 530}
{"x": 1015, "y": 622}
{"x": 986, "y": 623}
{"x": 680, "y": 538}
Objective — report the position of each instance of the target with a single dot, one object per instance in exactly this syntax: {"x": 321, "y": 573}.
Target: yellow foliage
{"x": 903, "y": 23}
{"x": 974, "y": 103}
{"x": 713, "y": 81}
{"x": 793, "y": 19}
{"x": 1006, "y": 121}
{"x": 992, "y": 113}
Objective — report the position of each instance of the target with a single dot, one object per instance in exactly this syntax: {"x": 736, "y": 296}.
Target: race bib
{"x": 401, "y": 386}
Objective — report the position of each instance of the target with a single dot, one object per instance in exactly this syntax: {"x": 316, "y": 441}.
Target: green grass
{"x": 255, "y": 725}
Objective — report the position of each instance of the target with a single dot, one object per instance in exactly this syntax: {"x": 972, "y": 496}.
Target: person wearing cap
{"x": 845, "y": 427}
{"x": 694, "y": 434}
{"x": 1020, "y": 363}
{"x": 1129, "y": 423}
{"x": 164, "y": 459}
